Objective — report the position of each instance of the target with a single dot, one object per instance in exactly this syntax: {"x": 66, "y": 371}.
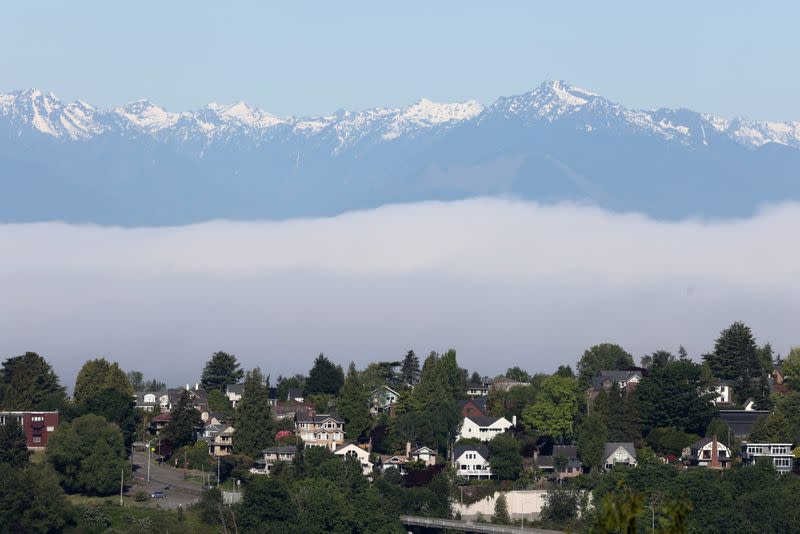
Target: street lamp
{"x": 149, "y": 450}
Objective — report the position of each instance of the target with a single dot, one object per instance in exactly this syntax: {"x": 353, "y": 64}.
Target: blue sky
{"x": 731, "y": 58}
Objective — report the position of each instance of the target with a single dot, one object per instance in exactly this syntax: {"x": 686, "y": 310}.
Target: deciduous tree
{"x": 554, "y": 410}
{"x": 505, "y": 458}
{"x": 97, "y": 375}
{"x": 184, "y": 423}
{"x": 602, "y": 357}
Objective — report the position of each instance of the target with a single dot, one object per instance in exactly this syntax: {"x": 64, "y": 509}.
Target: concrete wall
{"x": 527, "y": 502}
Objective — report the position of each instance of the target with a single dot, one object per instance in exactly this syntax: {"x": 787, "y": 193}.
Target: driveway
{"x": 171, "y": 481}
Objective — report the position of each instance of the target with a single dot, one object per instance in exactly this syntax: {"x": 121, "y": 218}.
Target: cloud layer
{"x": 504, "y": 282}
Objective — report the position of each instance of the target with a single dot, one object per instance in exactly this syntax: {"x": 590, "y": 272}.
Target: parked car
{"x": 158, "y": 495}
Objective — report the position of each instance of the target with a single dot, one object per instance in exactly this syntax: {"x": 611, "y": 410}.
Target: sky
{"x": 732, "y": 58}
{"x": 503, "y": 282}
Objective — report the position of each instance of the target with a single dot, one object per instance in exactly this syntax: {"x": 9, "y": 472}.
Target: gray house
{"x": 619, "y": 453}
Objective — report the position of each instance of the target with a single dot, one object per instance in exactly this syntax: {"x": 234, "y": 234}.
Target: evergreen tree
{"x": 505, "y": 458}
{"x": 501, "y": 511}
{"x": 353, "y": 405}
{"x": 735, "y": 357}
{"x": 565, "y": 371}
{"x": 184, "y": 423}
{"x": 592, "y": 436}
{"x": 28, "y": 382}
{"x": 410, "y": 368}
{"x": 255, "y": 429}
{"x": 221, "y": 371}
{"x": 657, "y": 359}
{"x": 13, "y": 448}
{"x": 518, "y": 374}
{"x": 452, "y": 377}
{"x": 324, "y": 377}
{"x": 31, "y": 501}
{"x": 97, "y": 375}
{"x": 616, "y": 421}
{"x": 475, "y": 379}
{"x": 791, "y": 369}
{"x": 136, "y": 378}
{"x": 682, "y": 354}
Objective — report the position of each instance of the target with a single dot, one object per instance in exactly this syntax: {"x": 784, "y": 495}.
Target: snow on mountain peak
{"x": 147, "y": 116}
{"x": 427, "y": 111}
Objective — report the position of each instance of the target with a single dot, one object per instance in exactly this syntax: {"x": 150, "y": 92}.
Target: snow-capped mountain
{"x": 553, "y": 101}
{"x": 142, "y": 164}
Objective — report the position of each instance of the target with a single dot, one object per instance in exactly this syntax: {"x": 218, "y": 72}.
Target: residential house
{"x": 502, "y": 383}
{"x": 724, "y": 391}
{"x": 472, "y": 461}
{"x": 211, "y": 429}
{"x": 147, "y": 401}
{"x": 296, "y": 395}
{"x": 398, "y": 461}
{"x": 780, "y": 453}
{"x": 708, "y": 452}
{"x": 197, "y": 397}
{"x": 158, "y": 423}
{"x": 37, "y": 426}
{"x": 319, "y": 430}
{"x": 423, "y": 454}
{"x": 234, "y": 393}
{"x": 485, "y": 428}
{"x": 383, "y": 400}
{"x": 475, "y": 407}
{"x": 741, "y": 421}
{"x": 222, "y": 442}
{"x": 572, "y": 468}
{"x": 284, "y": 410}
{"x": 272, "y": 456}
{"x": 749, "y": 405}
{"x": 625, "y": 380}
{"x": 619, "y": 453}
{"x": 479, "y": 390}
{"x": 354, "y": 451}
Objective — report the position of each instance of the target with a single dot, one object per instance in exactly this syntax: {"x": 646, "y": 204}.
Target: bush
{"x": 561, "y": 505}
{"x": 140, "y": 496}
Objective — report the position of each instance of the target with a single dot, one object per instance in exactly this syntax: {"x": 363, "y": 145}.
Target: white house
{"x": 272, "y": 456}
{"x": 780, "y": 453}
{"x": 234, "y": 393}
{"x": 382, "y": 400}
{"x": 354, "y": 451}
{"x": 724, "y": 391}
{"x": 709, "y": 452}
{"x": 423, "y": 454}
{"x": 485, "y": 428}
{"x": 619, "y": 453}
{"x": 320, "y": 430}
{"x": 472, "y": 461}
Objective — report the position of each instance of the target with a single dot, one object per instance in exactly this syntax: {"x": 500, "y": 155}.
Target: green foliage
{"x": 185, "y": 422}
{"x": 561, "y": 504}
{"x": 672, "y": 395}
{"x": 324, "y": 377}
{"x": 13, "y": 450}
{"x": 28, "y": 382}
{"x": 659, "y": 358}
{"x": 381, "y": 373}
{"x": 98, "y": 375}
{"x": 565, "y": 371}
{"x": 267, "y": 506}
{"x": 196, "y": 457}
{"x": 670, "y": 440}
{"x": 592, "y": 436}
{"x": 505, "y": 458}
{"x": 518, "y": 374}
{"x": 602, "y": 357}
{"x": 353, "y": 405}
{"x": 788, "y": 406}
{"x": 791, "y": 369}
{"x": 735, "y": 357}
{"x": 501, "y": 511}
{"x": 116, "y": 407}
{"x": 409, "y": 371}
{"x": 555, "y": 408}
{"x": 255, "y": 429}
{"x": 88, "y": 454}
{"x": 219, "y": 402}
{"x": 774, "y": 428}
{"x": 284, "y": 384}
{"x": 220, "y": 371}
{"x": 31, "y": 500}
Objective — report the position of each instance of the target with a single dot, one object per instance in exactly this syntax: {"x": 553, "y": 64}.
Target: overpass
{"x": 470, "y": 526}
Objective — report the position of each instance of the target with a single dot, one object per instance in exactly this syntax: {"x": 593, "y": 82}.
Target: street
{"x": 163, "y": 477}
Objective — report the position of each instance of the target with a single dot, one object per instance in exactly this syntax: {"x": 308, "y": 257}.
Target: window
{"x": 620, "y": 456}
{"x": 464, "y": 467}
{"x": 783, "y": 462}
{"x": 37, "y": 418}
{"x": 37, "y": 439}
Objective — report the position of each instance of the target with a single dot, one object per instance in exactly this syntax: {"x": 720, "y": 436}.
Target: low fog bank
{"x": 503, "y": 282}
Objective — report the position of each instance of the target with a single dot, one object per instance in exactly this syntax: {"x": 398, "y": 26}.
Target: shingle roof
{"x": 568, "y": 451}
{"x": 235, "y": 388}
{"x": 480, "y": 448}
{"x": 613, "y": 446}
{"x": 741, "y": 421}
{"x": 280, "y": 450}
{"x": 614, "y": 376}
{"x": 484, "y": 420}
{"x": 305, "y": 417}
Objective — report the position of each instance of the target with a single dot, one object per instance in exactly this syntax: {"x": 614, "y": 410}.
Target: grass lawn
{"x": 103, "y": 514}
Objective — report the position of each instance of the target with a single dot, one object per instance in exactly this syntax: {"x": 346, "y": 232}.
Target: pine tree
{"x": 410, "y": 368}
{"x": 353, "y": 405}
{"x": 28, "y": 382}
{"x": 735, "y": 356}
{"x": 255, "y": 429}
{"x": 501, "y": 511}
{"x": 184, "y": 422}
{"x": 616, "y": 415}
{"x": 13, "y": 448}
{"x": 221, "y": 371}
{"x": 324, "y": 377}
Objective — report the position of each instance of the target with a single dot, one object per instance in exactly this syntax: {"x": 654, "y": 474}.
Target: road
{"x": 164, "y": 478}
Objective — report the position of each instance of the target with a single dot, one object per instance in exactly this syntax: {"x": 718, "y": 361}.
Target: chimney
{"x": 408, "y": 449}
{"x": 514, "y": 420}
{"x": 369, "y": 445}
{"x": 187, "y": 387}
{"x": 714, "y": 453}
{"x": 196, "y": 386}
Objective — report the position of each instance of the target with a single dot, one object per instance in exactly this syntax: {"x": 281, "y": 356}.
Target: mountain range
{"x": 141, "y": 165}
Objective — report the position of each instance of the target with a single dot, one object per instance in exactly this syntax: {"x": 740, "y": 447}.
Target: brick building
{"x": 37, "y": 426}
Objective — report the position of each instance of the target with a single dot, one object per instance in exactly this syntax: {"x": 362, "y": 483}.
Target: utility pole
{"x": 217, "y": 471}
{"x": 121, "y": 484}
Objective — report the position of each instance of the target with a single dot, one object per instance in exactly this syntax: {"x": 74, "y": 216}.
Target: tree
{"x": 32, "y": 501}
{"x": 561, "y": 505}
{"x": 659, "y": 358}
{"x": 28, "y": 382}
{"x": 592, "y": 436}
{"x": 410, "y": 368}
{"x": 221, "y": 371}
{"x": 115, "y": 407}
{"x": 501, "y": 510}
{"x": 324, "y": 377}
{"x": 13, "y": 449}
{"x": 353, "y": 405}
{"x": 97, "y": 375}
{"x": 219, "y": 402}
{"x": 773, "y": 428}
{"x": 670, "y": 440}
{"x": 602, "y": 357}
{"x": 518, "y": 374}
{"x": 88, "y": 454}
{"x": 323, "y": 507}
{"x": 505, "y": 458}
{"x": 565, "y": 371}
{"x": 791, "y": 369}
{"x": 555, "y": 408}
{"x": 267, "y": 506}
{"x": 253, "y": 422}
{"x": 136, "y": 378}
{"x": 284, "y": 384}
{"x": 735, "y": 357}
{"x": 184, "y": 422}
{"x": 675, "y": 395}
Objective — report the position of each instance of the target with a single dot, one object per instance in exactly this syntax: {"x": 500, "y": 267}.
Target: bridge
{"x": 470, "y": 526}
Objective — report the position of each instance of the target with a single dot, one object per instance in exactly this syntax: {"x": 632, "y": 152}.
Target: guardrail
{"x": 470, "y": 526}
